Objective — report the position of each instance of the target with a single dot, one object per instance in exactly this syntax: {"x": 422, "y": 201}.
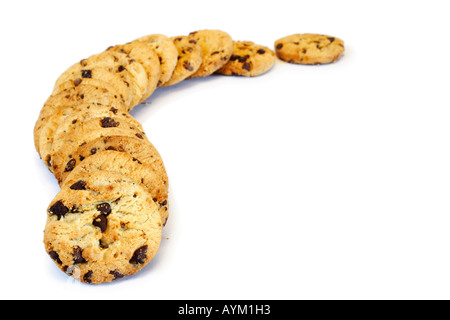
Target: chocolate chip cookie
{"x": 144, "y": 53}
{"x": 102, "y": 227}
{"x": 67, "y": 118}
{"x": 248, "y": 59}
{"x": 190, "y": 58}
{"x": 136, "y": 147}
{"x": 74, "y": 132}
{"x": 309, "y": 48}
{"x": 121, "y": 162}
{"x": 217, "y": 48}
{"x": 167, "y": 53}
{"x": 125, "y": 74}
{"x": 96, "y": 93}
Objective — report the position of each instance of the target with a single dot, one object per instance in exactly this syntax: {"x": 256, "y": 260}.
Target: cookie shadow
{"x": 160, "y": 96}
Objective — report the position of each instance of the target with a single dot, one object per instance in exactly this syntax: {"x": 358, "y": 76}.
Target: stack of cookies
{"x": 106, "y": 221}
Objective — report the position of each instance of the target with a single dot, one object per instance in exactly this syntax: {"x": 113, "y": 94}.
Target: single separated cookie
{"x": 102, "y": 227}
{"x": 309, "y": 48}
{"x": 248, "y": 60}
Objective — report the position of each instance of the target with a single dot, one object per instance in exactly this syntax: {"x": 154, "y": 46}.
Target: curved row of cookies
{"x": 106, "y": 221}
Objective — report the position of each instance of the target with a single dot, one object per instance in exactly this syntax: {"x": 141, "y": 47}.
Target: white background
{"x": 309, "y": 182}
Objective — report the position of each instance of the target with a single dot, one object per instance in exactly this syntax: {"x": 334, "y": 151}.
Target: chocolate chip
{"x": 331, "y": 39}
{"x": 68, "y": 270}
{"x": 139, "y": 256}
{"x": 187, "y": 66}
{"x": 109, "y": 123}
{"x": 137, "y": 160}
{"x": 139, "y": 136}
{"x": 246, "y": 66}
{"x": 121, "y": 68}
{"x": 163, "y": 203}
{"x": 101, "y": 222}
{"x": 79, "y": 185}
{"x": 241, "y": 59}
{"x": 86, "y": 73}
{"x": 113, "y": 110}
{"x": 55, "y": 257}
{"x": 304, "y": 51}
{"x": 102, "y": 244}
{"x": 78, "y": 255}
{"x": 104, "y": 208}
{"x": 279, "y": 46}
{"x": 117, "y": 275}
{"x": 93, "y": 150}
{"x": 76, "y": 82}
{"x": 234, "y": 57}
{"x": 70, "y": 165}
{"x": 261, "y": 51}
{"x": 215, "y": 52}
{"x": 49, "y": 161}
{"x": 193, "y": 41}
{"x": 111, "y": 148}
{"x": 87, "y": 277}
{"x": 58, "y": 209}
